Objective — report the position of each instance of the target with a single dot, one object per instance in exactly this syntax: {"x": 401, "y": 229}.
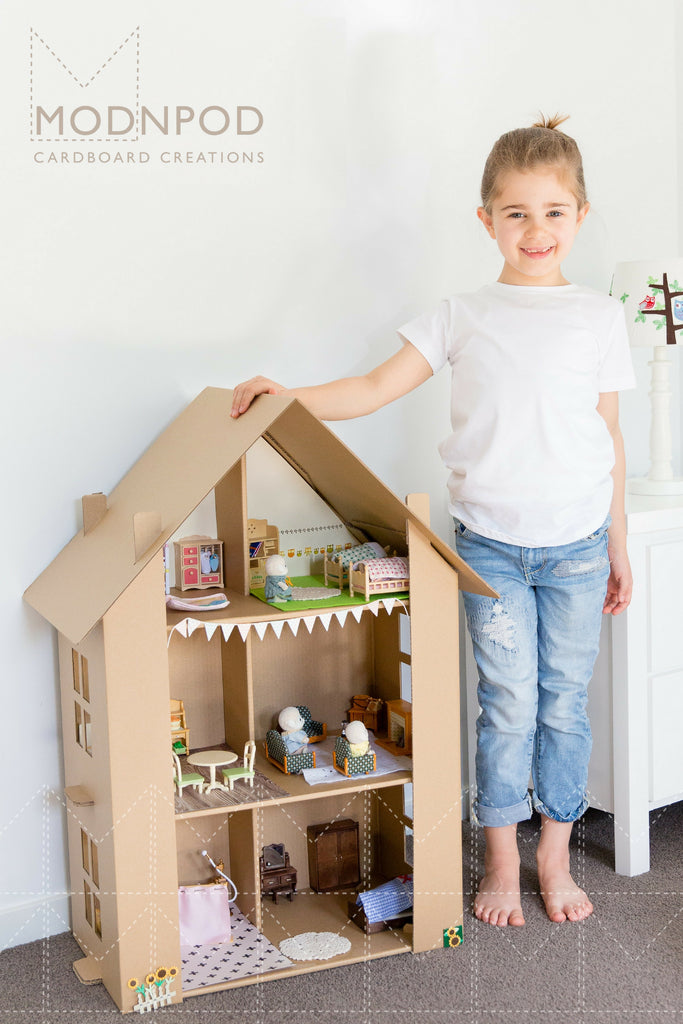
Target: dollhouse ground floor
{"x": 262, "y": 924}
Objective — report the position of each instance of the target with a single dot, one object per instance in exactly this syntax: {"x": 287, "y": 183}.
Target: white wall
{"x": 125, "y": 290}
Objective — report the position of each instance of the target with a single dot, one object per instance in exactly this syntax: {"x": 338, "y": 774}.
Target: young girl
{"x": 536, "y": 490}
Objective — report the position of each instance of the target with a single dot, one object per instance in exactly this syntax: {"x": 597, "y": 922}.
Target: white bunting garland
{"x": 186, "y": 627}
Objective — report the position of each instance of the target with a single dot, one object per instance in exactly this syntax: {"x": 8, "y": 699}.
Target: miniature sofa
{"x": 348, "y": 765}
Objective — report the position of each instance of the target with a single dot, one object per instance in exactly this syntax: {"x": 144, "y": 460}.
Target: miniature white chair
{"x": 246, "y": 771}
{"x": 181, "y": 780}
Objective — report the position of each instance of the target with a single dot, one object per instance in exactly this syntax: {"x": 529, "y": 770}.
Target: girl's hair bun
{"x": 523, "y": 149}
{"x": 550, "y": 122}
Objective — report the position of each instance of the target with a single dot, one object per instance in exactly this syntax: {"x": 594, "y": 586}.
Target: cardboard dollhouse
{"x": 122, "y": 656}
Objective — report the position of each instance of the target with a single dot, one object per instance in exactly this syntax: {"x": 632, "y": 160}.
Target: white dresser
{"x": 636, "y": 696}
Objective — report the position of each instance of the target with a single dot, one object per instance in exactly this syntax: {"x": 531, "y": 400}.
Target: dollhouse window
{"x": 85, "y": 852}
{"x": 98, "y": 916}
{"x": 85, "y": 681}
{"x": 87, "y": 894}
{"x": 94, "y": 864}
{"x": 75, "y": 667}
{"x": 87, "y": 732}
{"x": 404, "y": 658}
{"x": 78, "y": 721}
{"x": 81, "y": 679}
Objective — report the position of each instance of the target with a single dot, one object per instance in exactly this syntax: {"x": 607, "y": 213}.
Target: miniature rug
{"x": 247, "y": 954}
{"x": 336, "y": 598}
{"x": 315, "y": 946}
{"x": 387, "y": 763}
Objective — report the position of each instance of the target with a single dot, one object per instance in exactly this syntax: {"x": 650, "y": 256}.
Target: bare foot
{"x": 498, "y": 900}
{"x": 563, "y": 899}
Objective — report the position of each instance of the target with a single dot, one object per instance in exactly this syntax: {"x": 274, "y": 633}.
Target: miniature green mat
{"x": 344, "y": 600}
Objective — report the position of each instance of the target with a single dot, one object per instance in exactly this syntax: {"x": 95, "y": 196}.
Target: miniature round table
{"x": 211, "y": 759}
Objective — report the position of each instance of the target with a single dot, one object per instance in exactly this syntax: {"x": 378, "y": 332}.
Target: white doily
{"x": 313, "y": 593}
{"x": 314, "y": 946}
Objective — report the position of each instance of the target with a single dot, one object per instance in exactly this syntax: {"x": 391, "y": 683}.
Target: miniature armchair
{"x": 345, "y": 763}
{"x": 181, "y": 779}
{"x": 247, "y": 769}
{"x": 290, "y": 764}
{"x": 315, "y": 731}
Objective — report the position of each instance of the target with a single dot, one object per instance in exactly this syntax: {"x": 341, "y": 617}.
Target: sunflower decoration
{"x": 151, "y": 978}
{"x": 136, "y": 986}
{"x": 173, "y": 972}
{"x": 160, "y": 976}
{"x": 452, "y": 937}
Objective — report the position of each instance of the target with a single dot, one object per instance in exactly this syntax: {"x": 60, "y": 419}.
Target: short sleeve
{"x": 430, "y": 334}
{"x": 616, "y": 367}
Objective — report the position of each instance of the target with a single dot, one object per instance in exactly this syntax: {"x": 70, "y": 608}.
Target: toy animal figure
{"x": 293, "y": 734}
{"x": 357, "y": 736}
{"x": 647, "y": 303}
{"x": 678, "y": 309}
{"x": 278, "y": 587}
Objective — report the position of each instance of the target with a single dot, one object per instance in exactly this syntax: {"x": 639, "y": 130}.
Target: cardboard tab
{"x": 94, "y": 510}
{"x": 78, "y": 795}
{"x": 88, "y": 970}
{"x": 146, "y": 529}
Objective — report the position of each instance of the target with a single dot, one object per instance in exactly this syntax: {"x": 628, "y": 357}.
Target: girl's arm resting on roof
{"x": 620, "y": 583}
{"x": 351, "y": 396}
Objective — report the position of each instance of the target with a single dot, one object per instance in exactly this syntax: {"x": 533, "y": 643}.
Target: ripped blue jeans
{"x": 535, "y": 648}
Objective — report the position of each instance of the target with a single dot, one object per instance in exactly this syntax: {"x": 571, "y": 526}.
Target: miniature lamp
{"x": 652, "y": 294}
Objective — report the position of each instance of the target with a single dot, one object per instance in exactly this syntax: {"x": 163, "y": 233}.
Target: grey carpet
{"x": 621, "y": 965}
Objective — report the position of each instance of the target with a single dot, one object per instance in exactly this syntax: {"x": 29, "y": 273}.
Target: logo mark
{"x": 51, "y": 78}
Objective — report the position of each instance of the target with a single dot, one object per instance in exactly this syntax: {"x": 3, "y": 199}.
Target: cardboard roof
{"x": 177, "y": 472}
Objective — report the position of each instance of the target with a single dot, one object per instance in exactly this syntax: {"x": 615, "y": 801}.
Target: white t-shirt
{"x": 530, "y": 457}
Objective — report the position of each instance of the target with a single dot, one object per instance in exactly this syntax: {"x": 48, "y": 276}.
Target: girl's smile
{"x": 534, "y": 220}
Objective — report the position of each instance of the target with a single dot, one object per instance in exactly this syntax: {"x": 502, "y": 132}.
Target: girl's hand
{"x": 619, "y": 585}
{"x": 244, "y": 394}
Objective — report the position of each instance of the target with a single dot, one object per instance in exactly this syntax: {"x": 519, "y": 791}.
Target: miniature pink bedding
{"x": 387, "y": 569}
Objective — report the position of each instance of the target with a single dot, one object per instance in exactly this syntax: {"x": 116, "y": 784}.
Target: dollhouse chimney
{"x": 94, "y": 509}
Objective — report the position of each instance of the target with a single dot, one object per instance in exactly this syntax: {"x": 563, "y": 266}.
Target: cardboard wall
{"x": 128, "y": 288}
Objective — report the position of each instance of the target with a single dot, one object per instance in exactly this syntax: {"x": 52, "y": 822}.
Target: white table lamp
{"x": 652, "y": 294}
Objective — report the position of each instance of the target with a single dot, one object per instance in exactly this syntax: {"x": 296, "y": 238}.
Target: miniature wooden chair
{"x": 247, "y": 769}
{"x": 180, "y": 734}
{"x": 181, "y": 780}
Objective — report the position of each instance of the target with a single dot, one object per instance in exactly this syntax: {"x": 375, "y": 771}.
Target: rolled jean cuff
{"x": 497, "y": 816}
{"x": 555, "y": 816}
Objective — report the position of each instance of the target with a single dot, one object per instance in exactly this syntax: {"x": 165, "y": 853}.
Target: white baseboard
{"x": 34, "y": 919}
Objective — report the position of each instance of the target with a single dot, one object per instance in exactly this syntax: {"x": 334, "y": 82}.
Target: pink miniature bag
{"x": 204, "y": 914}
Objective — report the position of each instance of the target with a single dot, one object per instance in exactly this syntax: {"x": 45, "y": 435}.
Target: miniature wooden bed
{"x": 379, "y": 576}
